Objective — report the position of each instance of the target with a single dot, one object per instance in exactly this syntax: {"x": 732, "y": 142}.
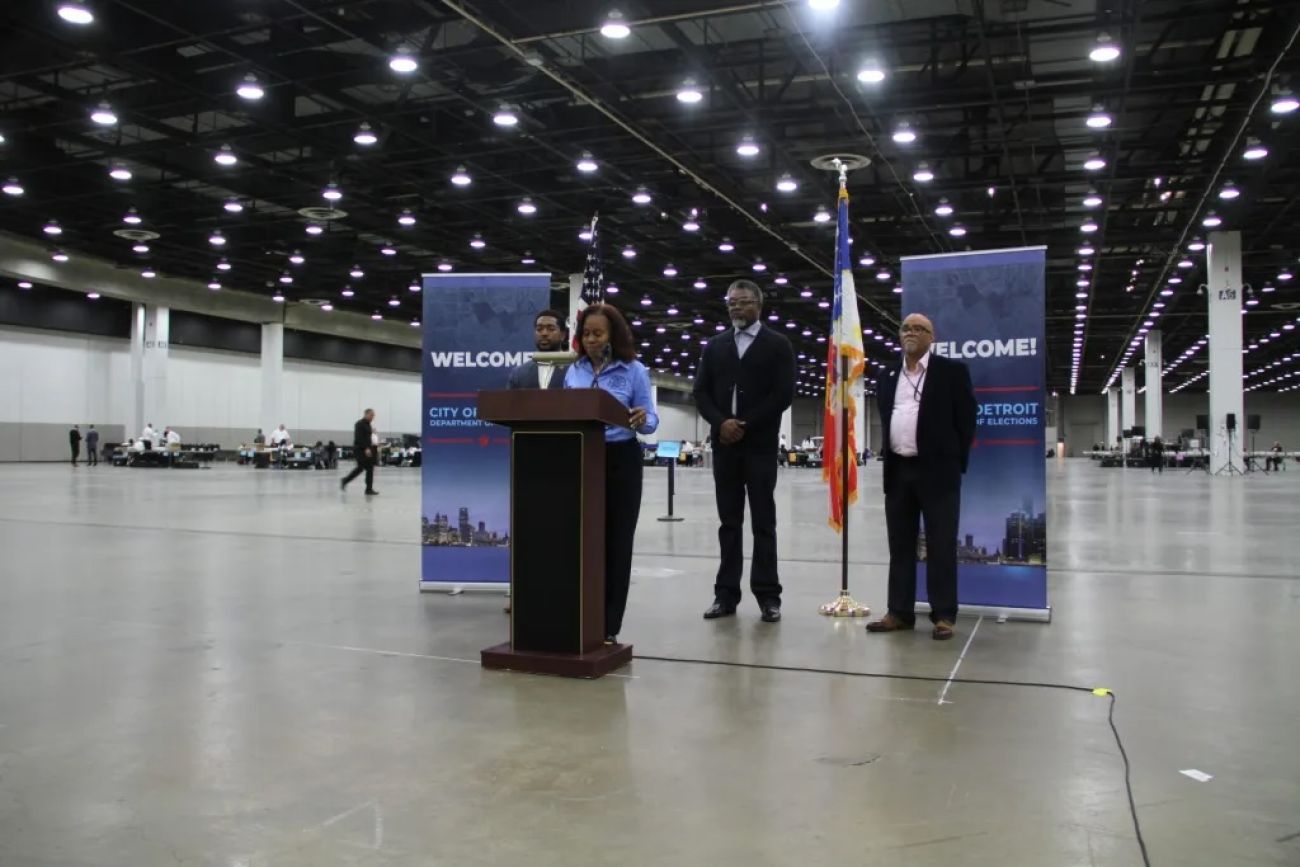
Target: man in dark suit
{"x": 548, "y": 336}
{"x": 363, "y": 449}
{"x": 744, "y": 383}
{"x": 74, "y": 441}
{"x": 927, "y": 413}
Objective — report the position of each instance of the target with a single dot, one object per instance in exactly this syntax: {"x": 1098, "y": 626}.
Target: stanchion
{"x": 671, "y": 490}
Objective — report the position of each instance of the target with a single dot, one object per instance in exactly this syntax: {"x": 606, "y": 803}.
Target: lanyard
{"x": 916, "y": 386}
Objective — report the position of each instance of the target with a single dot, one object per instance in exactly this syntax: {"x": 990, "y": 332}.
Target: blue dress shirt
{"x": 629, "y": 381}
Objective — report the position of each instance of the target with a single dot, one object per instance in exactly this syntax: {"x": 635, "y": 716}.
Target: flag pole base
{"x": 845, "y": 606}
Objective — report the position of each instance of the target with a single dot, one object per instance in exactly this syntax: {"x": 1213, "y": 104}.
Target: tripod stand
{"x": 1230, "y": 468}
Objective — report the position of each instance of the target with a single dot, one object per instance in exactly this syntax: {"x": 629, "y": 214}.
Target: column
{"x": 272, "y": 377}
{"x": 787, "y": 425}
{"x": 1155, "y": 409}
{"x": 1223, "y": 295}
{"x": 1128, "y": 414}
{"x": 150, "y": 338}
{"x": 1112, "y": 416}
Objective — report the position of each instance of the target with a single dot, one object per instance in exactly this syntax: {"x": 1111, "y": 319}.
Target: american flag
{"x": 593, "y": 276}
{"x": 842, "y": 392}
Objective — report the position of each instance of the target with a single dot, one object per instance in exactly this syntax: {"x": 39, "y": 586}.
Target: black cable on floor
{"x": 1067, "y": 687}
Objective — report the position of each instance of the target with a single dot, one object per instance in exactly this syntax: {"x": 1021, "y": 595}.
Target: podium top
{"x": 513, "y": 406}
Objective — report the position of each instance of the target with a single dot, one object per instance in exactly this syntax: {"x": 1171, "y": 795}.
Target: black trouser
{"x": 76, "y": 452}
{"x": 738, "y": 471}
{"x": 911, "y": 495}
{"x": 92, "y": 455}
{"x": 365, "y": 464}
{"x": 1157, "y": 463}
{"x": 622, "y": 508}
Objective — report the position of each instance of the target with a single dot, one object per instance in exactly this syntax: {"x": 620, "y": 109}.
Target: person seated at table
{"x": 607, "y": 359}
{"x": 172, "y": 438}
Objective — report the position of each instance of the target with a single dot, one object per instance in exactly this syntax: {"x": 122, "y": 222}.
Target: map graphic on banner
{"x": 477, "y": 328}
{"x": 988, "y": 312}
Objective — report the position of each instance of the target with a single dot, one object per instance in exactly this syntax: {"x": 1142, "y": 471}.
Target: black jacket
{"x": 945, "y": 425}
{"x": 361, "y": 435}
{"x": 526, "y": 376}
{"x": 763, "y": 381}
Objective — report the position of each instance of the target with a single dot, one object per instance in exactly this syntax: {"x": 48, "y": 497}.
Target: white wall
{"x": 52, "y": 380}
{"x": 1084, "y": 418}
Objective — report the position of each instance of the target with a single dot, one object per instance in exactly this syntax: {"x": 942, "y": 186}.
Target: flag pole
{"x": 844, "y": 605}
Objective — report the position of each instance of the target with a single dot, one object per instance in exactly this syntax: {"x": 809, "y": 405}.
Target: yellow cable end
{"x": 1102, "y": 691}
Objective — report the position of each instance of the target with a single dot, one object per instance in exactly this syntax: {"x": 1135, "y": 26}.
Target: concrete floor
{"x": 234, "y": 667}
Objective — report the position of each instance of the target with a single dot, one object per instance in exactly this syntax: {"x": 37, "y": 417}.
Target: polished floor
{"x": 234, "y": 667}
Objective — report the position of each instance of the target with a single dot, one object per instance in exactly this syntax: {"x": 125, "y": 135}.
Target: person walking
{"x": 1156, "y": 455}
{"x": 608, "y": 361}
{"x": 92, "y": 446}
{"x": 745, "y": 382}
{"x": 927, "y": 413}
{"x": 74, "y": 441}
{"x": 364, "y": 452}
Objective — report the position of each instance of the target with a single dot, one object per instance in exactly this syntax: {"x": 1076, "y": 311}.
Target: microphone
{"x": 606, "y": 353}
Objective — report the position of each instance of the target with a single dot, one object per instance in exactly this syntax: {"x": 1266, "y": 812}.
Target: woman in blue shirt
{"x": 607, "y": 359}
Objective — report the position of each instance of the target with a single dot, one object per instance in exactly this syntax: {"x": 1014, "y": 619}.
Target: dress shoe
{"x": 889, "y": 623}
{"x": 372, "y": 493}
{"x": 719, "y": 609}
{"x": 942, "y": 631}
{"x": 771, "y": 613}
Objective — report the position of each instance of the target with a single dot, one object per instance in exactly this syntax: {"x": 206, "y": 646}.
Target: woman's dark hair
{"x": 621, "y": 344}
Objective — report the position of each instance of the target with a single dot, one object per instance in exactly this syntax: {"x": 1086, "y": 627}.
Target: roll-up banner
{"x": 988, "y": 310}
{"x": 477, "y": 328}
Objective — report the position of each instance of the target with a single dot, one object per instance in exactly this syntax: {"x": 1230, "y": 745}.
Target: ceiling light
{"x": 414, "y": 286}
{"x": 103, "y": 115}
{"x": 250, "y": 88}
{"x": 823, "y": 5}
{"x": 53, "y": 228}
{"x": 76, "y": 12}
{"x": 332, "y": 192}
{"x": 904, "y": 134}
{"x": 943, "y": 209}
{"x": 871, "y": 73}
{"x": 822, "y": 215}
{"x": 1285, "y": 275}
{"x": 923, "y": 175}
{"x": 670, "y": 270}
{"x": 1255, "y": 150}
{"x": 1099, "y": 119}
{"x": 356, "y": 273}
{"x": 700, "y": 284}
{"x": 148, "y": 273}
{"x": 393, "y": 302}
{"x": 787, "y": 184}
{"x": 296, "y": 258}
{"x": 612, "y": 289}
{"x": 747, "y": 147}
{"x": 347, "y": 292}
{"x": 1085, "y": 266}
{"x": 641, "y": 196}
{"x": 278, "y": 297}
{"x": 315, "y": 229}
{"x": 759, "y": 265}
{"x": 1196, "y": 246}
{"x": 59, "y": 256}
{"x": 132, "y": 217}
{"x": 119, "y": 172}
{"x": 92, "y": 296}
{"x": 1285, "y": 103}
{"x": 645, "y": 301}
{"x": 217, "y": 239}
{"x": 629, "y": 252}
{"x": 585, "y": 234}
{"x": 867, "y": 260}
{"x": 140, "y": 248}
{"x": 1229, "y": 192}
{"x": 233, "y": 206}
{"x": 226, "y": 156}
{"x": 403, "y": 62}
{"x": 286, "y": 278}
{"x": 528, "y": 259}
{"x": 444, "y": 266}
{"x": 781, "y": 280}
{"x": 461, "y": 177}
{"x": 883, "y": 275}
{"x": 1087, "y": 250}
{"x": 505, "y": 117}
{"x": 958, "y": 231}
{"x": 1212, "y": 221}
{"x": 1092, "y": 200}
{"x": 406, "y": 218}
{"x": 214, "y": 285}
{"x": 327, "y": 307}
{"x": 1088, "y": 228}
{"x": 477, "y": 241}
{"x": 1186, "y": 263}
{"x": 1104, "y": 50}
{"x": 365, "y": 136}
{"x": 13, "y": 188}
{"x": 689, "y": 93}
{"x": 1094, "y": 163}
{"x": 690, "y": 226}
{"x": 726, "y": 246}
{"x": 615, "y": 26}
{"x": 526, "y": 207}
{"x": 223, "y": 265}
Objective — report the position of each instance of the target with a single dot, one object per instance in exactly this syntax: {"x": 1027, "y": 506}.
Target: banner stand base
{"x": 1000, "y": 613}
{"x": 454, "y": 588}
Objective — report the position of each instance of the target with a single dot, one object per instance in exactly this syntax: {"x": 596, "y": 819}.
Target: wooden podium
{"x": 557, "y": 530}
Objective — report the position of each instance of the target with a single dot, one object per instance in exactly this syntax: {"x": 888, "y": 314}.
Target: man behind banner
{"x": 548, "y": 336}
{"x": 927, "y": 412}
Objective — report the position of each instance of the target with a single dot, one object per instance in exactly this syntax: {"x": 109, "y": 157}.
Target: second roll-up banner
{"x": 988, "y": 311}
